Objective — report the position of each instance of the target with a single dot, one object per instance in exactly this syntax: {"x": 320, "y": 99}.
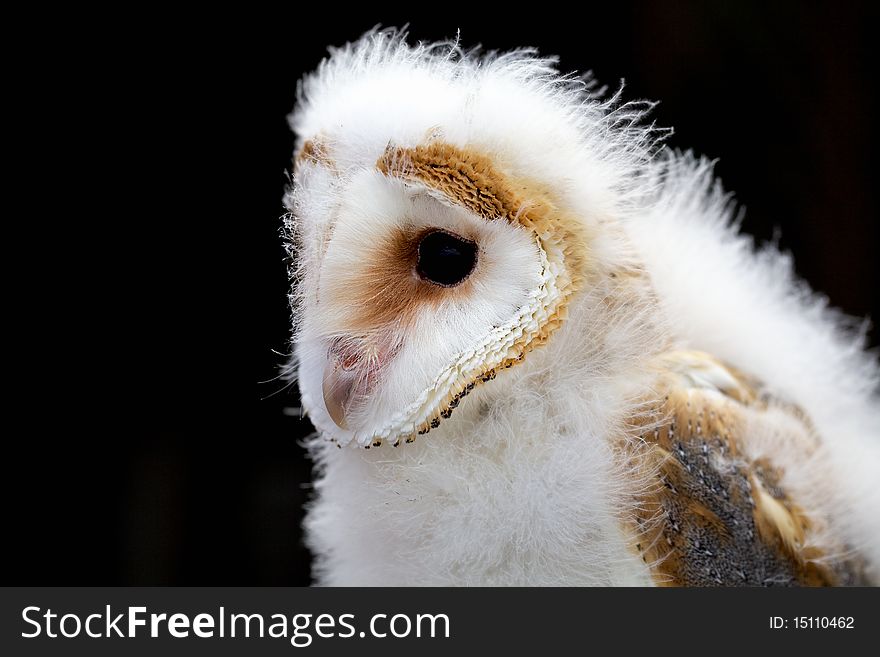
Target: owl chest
{"x": 520, "y": 514}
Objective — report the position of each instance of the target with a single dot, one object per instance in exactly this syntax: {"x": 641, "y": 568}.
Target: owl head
{"x": 447, "y": 209}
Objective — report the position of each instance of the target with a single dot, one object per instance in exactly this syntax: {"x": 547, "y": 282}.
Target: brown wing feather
{"x": 714, "y": 516}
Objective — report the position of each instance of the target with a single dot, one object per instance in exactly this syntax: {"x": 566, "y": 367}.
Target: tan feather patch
{"x": 314, "y": 151}
{"x": 712, "y": 515}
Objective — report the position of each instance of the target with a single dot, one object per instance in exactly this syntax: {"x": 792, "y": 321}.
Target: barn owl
{"x": 536, "y": 350}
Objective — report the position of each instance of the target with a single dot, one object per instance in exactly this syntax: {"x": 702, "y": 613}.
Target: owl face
{"x": 422, "y": 274}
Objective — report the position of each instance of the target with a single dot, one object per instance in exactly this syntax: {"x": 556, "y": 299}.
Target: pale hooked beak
{"x": 352, "y": 372}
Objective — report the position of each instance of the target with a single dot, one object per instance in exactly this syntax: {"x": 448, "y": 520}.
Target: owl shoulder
{"x": 716, "y": 509}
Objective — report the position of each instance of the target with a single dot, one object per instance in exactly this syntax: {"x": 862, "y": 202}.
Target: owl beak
{"x": 339, "y": 389}
{"x": 351, "y": 373}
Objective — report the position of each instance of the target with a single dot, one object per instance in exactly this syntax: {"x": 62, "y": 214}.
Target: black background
{"x": 153, "y": 292}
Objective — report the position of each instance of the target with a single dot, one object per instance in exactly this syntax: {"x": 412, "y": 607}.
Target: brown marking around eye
{"x": 470, "y": 179}
{"x": 464, "y": 176}
{"x": 387, "y": 291}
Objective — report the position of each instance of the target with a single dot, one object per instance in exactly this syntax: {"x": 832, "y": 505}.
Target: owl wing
{"x": 716, "y": 510}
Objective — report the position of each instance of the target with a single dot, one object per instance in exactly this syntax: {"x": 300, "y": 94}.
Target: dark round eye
{"x": 446, "y": 259}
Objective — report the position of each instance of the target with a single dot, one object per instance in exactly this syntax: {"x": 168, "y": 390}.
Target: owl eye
{"x": 445, "y": 259}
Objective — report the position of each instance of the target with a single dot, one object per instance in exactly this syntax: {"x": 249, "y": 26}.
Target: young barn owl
{"x": 537, "y": 351}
